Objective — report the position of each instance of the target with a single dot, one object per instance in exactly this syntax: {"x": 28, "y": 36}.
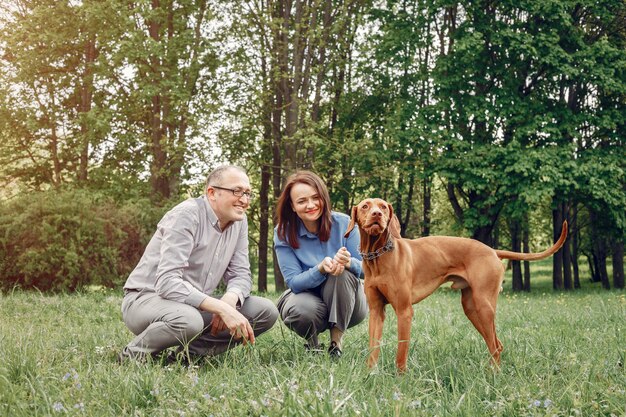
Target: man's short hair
{"x": 215, "y": 177}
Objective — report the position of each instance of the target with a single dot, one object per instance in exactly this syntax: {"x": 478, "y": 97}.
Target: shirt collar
{"x": 302, "y": 231}
{"x": 211, "y": 214}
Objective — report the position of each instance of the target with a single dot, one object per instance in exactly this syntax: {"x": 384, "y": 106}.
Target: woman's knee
{"x": 303, "y": 312}
{"x": 344, "y": 280}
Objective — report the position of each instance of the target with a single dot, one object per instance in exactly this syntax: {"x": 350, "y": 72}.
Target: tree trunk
{"x": 264, "y": 192}
{"x": 278, "y": 85}
{"x": 591, "y": 261}
{"x": 515, "y": 228}
{"x": 567, "y": 256}
{"x": 599, "y": 260}
{"x": 426, "y": 205}
{"x": 604, "y": 275}
{"x": 53, "y": 146}
{"x": 409, "y": 202}
{"x": 86, "y": 96}
{"x": 599, "y": 251}
{"x": 264, "y": 226}
{"x": 575, "y": 247}
{"x": 557, "y": 258}
{"x": 526, "y": 249}
{"x": 158, "y": 168}
{"x": 618, "y": 264}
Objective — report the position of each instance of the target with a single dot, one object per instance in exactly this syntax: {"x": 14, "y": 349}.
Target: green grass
{"x": 564, "y": 355}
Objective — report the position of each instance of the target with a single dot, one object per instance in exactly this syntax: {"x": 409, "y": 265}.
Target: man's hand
{"x": 226, "y": 316}
{"x": 217, "y": 324}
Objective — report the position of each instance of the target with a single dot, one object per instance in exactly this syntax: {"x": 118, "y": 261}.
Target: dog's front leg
{"x": 405, "y": 318}
{"x": 377, "y": 319}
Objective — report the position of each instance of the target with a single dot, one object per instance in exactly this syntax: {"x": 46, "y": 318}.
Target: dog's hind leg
{"x": 469, "y": 308}
{"x": 486, "y": 312}
{"x": 487, "y": 330}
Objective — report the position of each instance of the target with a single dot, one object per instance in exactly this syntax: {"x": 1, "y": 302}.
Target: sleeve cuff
{"x": 195, "y": 298}
{"x": 239, "y": 294}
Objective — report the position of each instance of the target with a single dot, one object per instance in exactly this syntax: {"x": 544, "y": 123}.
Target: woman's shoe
{"x": 314, "y": 349}
{"x": 334, "y": 351}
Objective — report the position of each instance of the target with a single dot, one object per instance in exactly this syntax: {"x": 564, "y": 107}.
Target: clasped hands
{"x": 337, "y": 264}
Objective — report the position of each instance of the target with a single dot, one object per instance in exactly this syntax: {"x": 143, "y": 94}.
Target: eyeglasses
{"x": 236, "y": 192}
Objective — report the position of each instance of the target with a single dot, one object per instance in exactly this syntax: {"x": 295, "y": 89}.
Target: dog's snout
{"x": 376, "y": 212}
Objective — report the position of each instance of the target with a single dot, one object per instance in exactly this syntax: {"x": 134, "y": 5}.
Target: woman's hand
{"x": 330, "y": 266}
{"x": 343, "y": 257}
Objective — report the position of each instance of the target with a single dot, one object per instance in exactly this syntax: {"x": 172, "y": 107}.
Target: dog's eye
{"x": 364, "y": 207}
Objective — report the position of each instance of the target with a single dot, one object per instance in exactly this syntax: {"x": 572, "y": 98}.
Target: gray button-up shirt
{"x": 189, "y": 254}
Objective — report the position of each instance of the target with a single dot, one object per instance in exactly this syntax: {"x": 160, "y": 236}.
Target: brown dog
{"x": 402, "y": 272}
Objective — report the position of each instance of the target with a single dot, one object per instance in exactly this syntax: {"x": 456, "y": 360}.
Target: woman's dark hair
{"x": 287, "y": 219}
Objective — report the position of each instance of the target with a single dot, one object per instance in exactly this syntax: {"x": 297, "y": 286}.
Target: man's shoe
{"x": 182, "y": 358}
{"x": 126, "y": 356}
{"x": 333, "y": 351}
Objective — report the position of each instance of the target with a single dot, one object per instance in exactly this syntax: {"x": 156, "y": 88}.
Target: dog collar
{"x": 369, "y": 256}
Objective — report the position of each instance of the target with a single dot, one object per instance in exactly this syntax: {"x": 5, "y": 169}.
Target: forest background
{"x": 495, "y": 120}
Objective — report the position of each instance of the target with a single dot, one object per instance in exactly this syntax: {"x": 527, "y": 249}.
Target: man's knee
{"x": 264, "y": 314}
{"x": 187, "y": 322}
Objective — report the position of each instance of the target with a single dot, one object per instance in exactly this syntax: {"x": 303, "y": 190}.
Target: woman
{"x": 320, "y": 266}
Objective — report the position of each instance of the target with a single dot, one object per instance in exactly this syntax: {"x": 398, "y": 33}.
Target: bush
{"x": 68, "y": 239}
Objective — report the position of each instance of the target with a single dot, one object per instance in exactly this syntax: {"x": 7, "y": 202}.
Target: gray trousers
{"x": 339, "y": 301}
{"x": 159, "y": 324}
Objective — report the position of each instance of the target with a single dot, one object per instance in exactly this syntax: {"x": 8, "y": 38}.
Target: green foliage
{"x": 68, "y": 239}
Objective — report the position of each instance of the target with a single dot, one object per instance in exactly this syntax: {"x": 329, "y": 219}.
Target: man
{"x": 167, "y": 298}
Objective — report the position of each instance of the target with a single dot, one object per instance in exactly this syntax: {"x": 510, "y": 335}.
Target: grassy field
{"x": 564, "y": 356}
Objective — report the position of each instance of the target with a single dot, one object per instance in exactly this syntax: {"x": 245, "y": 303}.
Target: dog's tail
{"x": 517, "y": 256}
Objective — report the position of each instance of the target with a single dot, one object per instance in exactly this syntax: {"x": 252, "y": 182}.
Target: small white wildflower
{"x": 415, "y": 403}
{"x": 58, "y": 407}
{"x": 194, "y": 379}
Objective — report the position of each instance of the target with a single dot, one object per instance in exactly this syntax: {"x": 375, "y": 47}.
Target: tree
{"x": 51, "y": 120}
{"x": 298, "y": 75}
{"x": 165, "y": 61}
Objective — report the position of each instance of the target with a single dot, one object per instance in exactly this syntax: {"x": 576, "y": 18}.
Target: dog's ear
{"x": 352, "y": 221}
{"x": 394, "y": 226}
